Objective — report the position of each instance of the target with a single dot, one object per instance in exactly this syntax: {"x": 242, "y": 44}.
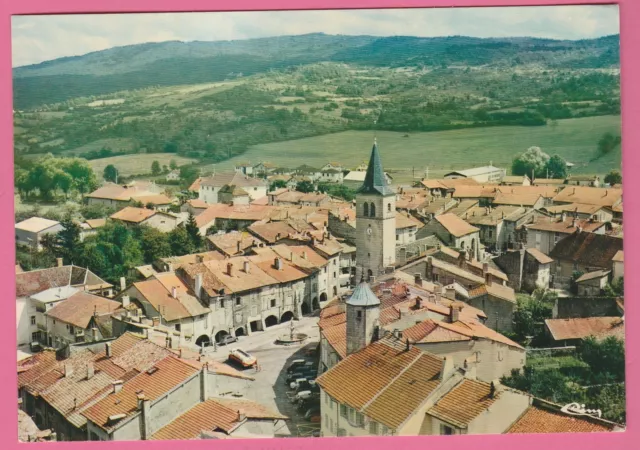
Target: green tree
{"x": 69, "y": 240}
{"x": 604, "y": 357}
{"x": 154, "y": 243}
{"x": 616, "y": 288}
{"x": 110, "y": 173}
{"x": 613, "y": 177}
{"x": 180, "y": 241}
{"x": 96, "y": 211}
{"x": 173, "y": 164}
{"x": 529, "y": 317}
{"x": 155, "y": 168}
{"x": 608, "y": 142}
{"x": 193, "y": 231}
{"x": 189, "y": 174}
{"x": 277, "y": 184}
{"x": 534, "y": 160}
{"x": 305, "y": 186}
{"x": 557, "y": 167}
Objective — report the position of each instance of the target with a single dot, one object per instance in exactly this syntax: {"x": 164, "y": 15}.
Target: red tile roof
{"x": 461, "y": 405}
{"x": 78, "y": 309}
{"x": 455, "y": 225}
{"x": 547, "y": 420}
{"x": 590, "y": 249}
{"x": 599, "y": 327}
{"x": 133, "y": 214}
{"x": 539, "y": 256}
{"x": 169, "y": 373}
{"x": 589, "y": 196}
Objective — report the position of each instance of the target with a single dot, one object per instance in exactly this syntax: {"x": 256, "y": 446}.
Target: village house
{"x": 549, "y": 182}
{"x": 484, "y": 174}
{"x": 231, "y": 194}
{"x": 30, "y": 232}
{"x": 497, "y": 301}
{"x": 435, "y": 206}
{"x": 174, "y": 175}
{"x": 589, "y": 196}
{"x": 49, "y": 286}
{"x": 498, "y": 226}
{"x": 171, "y": 263}
{"x": 592, "y": 284}
{"x": 233, "y": 243}
{"x": 445, "y": 187}
{"x": 90, "y": 227}
{"x": 307, "y": 172}
{"x": 333, "y": 165}
{"x": 545, "y": 232}
{"x": 159, "y": 220}
{"x": 331, "y": 176}
{"x": 263, "y": 169}
{"x": 81, "y": 317}
{"x": 231, "y": 217}
{"x": 454, "y": 232}
{"x": 119, "y": 196}
{"x": 244, "y": 168}
{"x": 210, "y": 187}
{"x": 528, "y": 269}
{"x": 28, "y": 431}
{"x": 564, "y": 332}
{"x": 407, "y": 227}
{"x": 584, "y": 180}
{"x": 583, "y": 252}
{"x": 580, "y": 211}
{"x": 483, "y": 194}
{"x": 194, "y": 206}
{"x": 516, "y": 180}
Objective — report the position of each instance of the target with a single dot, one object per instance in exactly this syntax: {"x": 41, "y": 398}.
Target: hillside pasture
{"x": 137, "y": 164}
{"x": 442, "y": 151}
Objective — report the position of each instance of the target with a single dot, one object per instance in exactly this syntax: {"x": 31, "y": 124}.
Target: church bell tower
{"x": 375, "y": 222}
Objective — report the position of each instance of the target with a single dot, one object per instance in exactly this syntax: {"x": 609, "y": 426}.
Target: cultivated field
{"x": 137, "y": 164}
{"x": 442, "y": 151}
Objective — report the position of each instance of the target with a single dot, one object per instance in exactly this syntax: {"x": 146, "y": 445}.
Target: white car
{"x": 243, "y": 358}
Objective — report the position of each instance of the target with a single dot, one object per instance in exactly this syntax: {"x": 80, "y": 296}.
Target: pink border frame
{"x": 630, "y": 35}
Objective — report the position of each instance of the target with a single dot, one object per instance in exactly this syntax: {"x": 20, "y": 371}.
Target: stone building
{"x": 453, "y": 232}
{"x": 375, "y": 222}
{"x": 527, "y": 269}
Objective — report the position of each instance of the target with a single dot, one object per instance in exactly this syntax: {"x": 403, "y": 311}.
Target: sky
{"x": 42, "y": 38}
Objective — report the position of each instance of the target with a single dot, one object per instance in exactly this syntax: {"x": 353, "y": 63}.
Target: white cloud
{"x": 41, "y": 38}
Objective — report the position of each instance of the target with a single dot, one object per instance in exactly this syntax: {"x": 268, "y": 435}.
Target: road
{"x": 269, "y": 387}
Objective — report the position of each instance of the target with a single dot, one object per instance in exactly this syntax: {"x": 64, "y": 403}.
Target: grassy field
{"x": 137, "y": 164}
{"x": 442, "y": 151}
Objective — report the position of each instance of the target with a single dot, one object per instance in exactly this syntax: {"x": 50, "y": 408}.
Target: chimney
{"x": 117, "y": 386}
{"x": 199, "y": 259}
{"x": 239, "y": 249}
{"x": 418, "y": 279}
{"x": 198, "y": 285}
{"x": 59, "y": 261}
{"x": 492, "y": 390}
{"x": 90, "y": 370}
{"x": 455, "y": 313}
{"x": 145, "y": 404}
{"x": 229, "y": 269}
{"x": 438, "y": 292}
{"x": 68, "y": 370}
{"x": 246, "y": 267}
{"x": 126, "y": 301}
{"x": 174, "y": 292}
{"x": 447, "y": 368}
{"x": 488, "y": 278}
{"x": 107, "y": 349}
{"x": 429, "y": 274}
{"x": 304, "y": 255}
{"x": 123, "y": 283}
{"x": 204, "y": 383}
{"x": 408, "y": 346}
{"x": 450, "y": 293}
{"x": 563, "y": 217}
{"x": 396, "y": 333}
{"x": 94, "y": 333}
{"x": 241, "y": 415}
{"x": 277, "y": 263}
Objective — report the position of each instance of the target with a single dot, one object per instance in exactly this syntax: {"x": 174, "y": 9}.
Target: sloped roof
{"x": 539, "y": 256}
{"x": 461, "y": 405}
{"x": 375, "y": 181}
{"x": 593, "y": 275}
{"x": 78, "y": 309}
{"x": 36, "y": 224}
{"x": 619, "y": 256}
{"x": 363, "y": 296}
{"x": 133, "y": 214}
{"x": 539, "y": 419}
{"x": 455, "y": 225}
{"x": 589, "y": 195}
{"x": 154, "y": 199}
{"x": 587, "y": 248}
{"x": 34, "y": 281}
{"x": 159, "y": 296}
{"x": 234, "y": 178}
{"x": 580, "y": 328}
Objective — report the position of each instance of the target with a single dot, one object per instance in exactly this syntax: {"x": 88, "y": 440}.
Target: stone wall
{"x": 581, "y": 307}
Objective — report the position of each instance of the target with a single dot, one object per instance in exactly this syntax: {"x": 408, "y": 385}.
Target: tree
{"x": 604, "y": 357}
{"x": 608, "y": 142}
{"x": 110, "y": 173}
{"x": 193, "y": 231}
{"x": 557, "y": 167}
{"x": 534, "y": 160}
{"x": 189, "y": 174}
{"x": 173, "y": 164}
{"x": 154, "y": 243}
{"x": 613, "y": 177}
{"x": 277, "y": 184}
{"x": 69, "y": 240}
{"x": 305, "y": 186}
{"x": 529, "y": 317}
{"x": 96, "y": 211}
{"x": 180, "y": 241}
{"x": 616, "y": 288}
{"x": 155, "y": 168}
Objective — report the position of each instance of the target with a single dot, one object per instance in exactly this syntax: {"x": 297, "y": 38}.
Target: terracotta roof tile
{"x": 546, "y": 420}
{"x": 455, "y": 225}
{"x": 168, "y": 374}
{"x": 235, "y": 178}
{"x": 407, "y": 221}
{"x": 36, "y": 224}
{"x": 618, "y": 257}
{"x": 271, "y": 232}
{"x": 593, "y": 275}
{"x": 154, "y": 199}
{"x": 465, "y": 402}
{"x": 133, "y": 214}
{"x": 599, "y": 327}
{"x": 589, "y": 196}
{"x": 567, "y": 226}
{"x": 539, "y": 256}
{"x": 160, "y": 297}
{"x": 336, "y": 336}
{"x": 78, "y": 309}
{"x": 594, "y": 250}
{"x": 32, "y": 282}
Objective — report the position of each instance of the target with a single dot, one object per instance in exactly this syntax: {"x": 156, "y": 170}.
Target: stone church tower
{"x": 375, "y": 222}
{"x": 363, "y": 318}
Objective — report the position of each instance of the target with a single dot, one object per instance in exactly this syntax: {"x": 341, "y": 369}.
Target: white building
{"x": 30, "y": 232}
{"x": 211, "y": 186}
{"x": 480, "y": 174}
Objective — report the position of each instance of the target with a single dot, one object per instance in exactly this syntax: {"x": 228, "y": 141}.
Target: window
{"x": 325, "y": 270}
{"x": 446, "y": 430}
{"x": 389, "y": 207}
{"x": 372, "y": 210}
{"x": 359, "y": 419}
{"x": 373, "y": 428}
{"x": 343, "y": 411}
{"x": 359, "y": 315}
{"x": 490, "y": 233}
{"x": 238, "y": 301}
{"x": 334, "y": 274}
{"x": 326, "y": 399}
{"x": 435, "y": 277}
{"x": 273, "y": 303}
{"x": 34, "y": 337}
{"x": 333, "y": 404}
{"x": 33, "y": 320}
{"x": 397, "y": 237}
{"x": 221, "y": 303}
{"x": 177, "y": 327}
{"x": 331, "y": 425}
{"x": 366, "y": 209}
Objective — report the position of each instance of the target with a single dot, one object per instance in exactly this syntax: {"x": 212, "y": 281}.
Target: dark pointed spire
{"x": 375, "y": 181}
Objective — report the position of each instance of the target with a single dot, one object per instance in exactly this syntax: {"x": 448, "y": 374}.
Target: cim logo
{"x": 576, "y": 409}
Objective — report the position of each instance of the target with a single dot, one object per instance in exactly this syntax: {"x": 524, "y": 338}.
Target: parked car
{"x": 313, "y": 411}
{"x": 295, "y": 364}
{"x": 302, "y": 384}
{"x": 242, "y": 357}
{"x": 309, "y": 374}
{"x": 227, "y": 339}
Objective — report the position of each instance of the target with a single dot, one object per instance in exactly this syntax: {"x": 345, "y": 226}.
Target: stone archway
{"x": 323, "y": 297}
{"x": 315, "y": 303}
{"x": 220, "y": 335}
{"x": 203, "y": 341}
{"x": 240, "y": 332}
{"x": 270, "y": 321}
{"x": 286, "y": 317}
{"x": 305, "y": 308}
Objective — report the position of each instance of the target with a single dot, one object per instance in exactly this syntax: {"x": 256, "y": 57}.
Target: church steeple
{"x": 375, "y": 181}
